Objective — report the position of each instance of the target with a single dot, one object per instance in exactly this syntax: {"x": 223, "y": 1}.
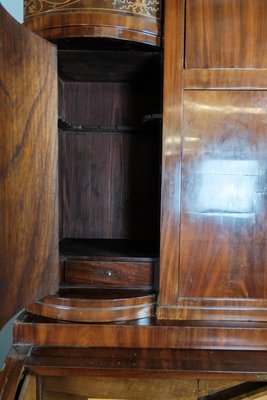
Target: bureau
{"x": 133, "y": 194}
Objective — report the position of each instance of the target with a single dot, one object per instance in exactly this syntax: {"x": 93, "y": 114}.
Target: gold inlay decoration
{"x": 147, "y": 8}
{"x": 32, "y": 7}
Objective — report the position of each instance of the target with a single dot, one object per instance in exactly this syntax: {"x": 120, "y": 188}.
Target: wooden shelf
{"x": 109, "y": 65}
{"x": 94, "y": 305}
{"x": 95, "y": 249}
{"x": 144, "y": 333}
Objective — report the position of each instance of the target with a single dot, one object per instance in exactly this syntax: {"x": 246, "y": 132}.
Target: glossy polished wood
{"x": 223, "y": 236}
{"x": 148, "y": 363}
{"x": 238, "y": 79}
{"x": 12, "y": 372}
{"x": 216, "y": 309}
{"x": 226, "y": 34}
{"x": 144, "y": 333}
{"x": 212, "y": 258}
{"x": 132, "y": 20}
{"x": 111, "y": 274}
{"x": 171, "y": 151}
{"x": 96, "y": 305}
{"x": 117, "y": 175}
{"x": 28, "y": 167}
{"x": 221, "y": 269}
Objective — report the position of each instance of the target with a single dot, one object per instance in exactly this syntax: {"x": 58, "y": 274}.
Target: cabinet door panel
{"x": 223, "y": 212}
{"x": 226, "y": 34}
{"x": 28, "y": 167}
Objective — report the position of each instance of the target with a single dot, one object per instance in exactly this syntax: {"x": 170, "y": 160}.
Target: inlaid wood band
{"x": 137, "y": 21}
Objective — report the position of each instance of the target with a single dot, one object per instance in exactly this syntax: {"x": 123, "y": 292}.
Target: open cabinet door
{"x": 28, "y": 167}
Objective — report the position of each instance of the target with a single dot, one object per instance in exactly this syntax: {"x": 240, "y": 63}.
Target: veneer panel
{"x": 109, "y": 185}
{"x": 226, "y": 34}
{"x": 111, "y": 274}
{"x": 105, "y": 18}
{"x": 223, "y": 238}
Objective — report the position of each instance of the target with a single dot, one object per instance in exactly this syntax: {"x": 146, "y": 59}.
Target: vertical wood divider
{"x": 171, "y": 151}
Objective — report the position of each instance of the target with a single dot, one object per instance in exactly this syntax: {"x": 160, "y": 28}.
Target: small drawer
{"x": 111, "y": 274}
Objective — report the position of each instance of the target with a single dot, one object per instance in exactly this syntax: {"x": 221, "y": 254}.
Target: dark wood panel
{"x": 223, "y": 230}
{"x": 146, "y": 363}
{"x": 106, "y": 61}
{"x": 28, "y": 167}
{"x": 109, "y": 249}
{"x": 225, "y": 79}
{"x": 109, "y": 104}
{"x": 171, "y": 151}
{"x": 226, "y": 34}
{"x": 145, "y": 333}
{"x": 111, "y": 274}
{"x": 110, "y": 185}
{"x": 140, "y": 22}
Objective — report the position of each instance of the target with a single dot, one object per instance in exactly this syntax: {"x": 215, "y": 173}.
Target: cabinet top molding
{"x": 145, "y": 8}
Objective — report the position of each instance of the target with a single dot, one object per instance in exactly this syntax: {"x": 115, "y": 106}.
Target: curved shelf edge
{"x": 95, "y": 310}
{"x": 67, "y": 25}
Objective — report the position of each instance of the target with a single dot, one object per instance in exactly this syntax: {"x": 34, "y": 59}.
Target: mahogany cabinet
{"x": 133, "y": 195}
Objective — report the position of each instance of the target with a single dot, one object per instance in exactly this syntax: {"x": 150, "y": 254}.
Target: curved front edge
{"x": 94, "y": 307}
{"x": 137, "y": 21}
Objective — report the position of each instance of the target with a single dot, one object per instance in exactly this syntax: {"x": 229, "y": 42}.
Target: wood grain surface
{"x": 110, "y": 184}
{"x": 12, "y": 372}
{"x": 118, "y": 388}
{"x": 28, "y": 167}
{"x": 133, "y": 21}
{"x": 29, "y": 388}
{"x": 218, "y": 217}
{"x": 212, "y": 79}
{"x": 96, "y": 305}
{"x": 223, "y": 238}
{"x": 226, "y": 34}
{"x": 171, "y": 151}
{"x": 148, "y": 389}
{"x": 111, "y": 274}
{"x": 109, "y": 104}
{"x": 144, "y": 333}
{"x": 219, "y": 367}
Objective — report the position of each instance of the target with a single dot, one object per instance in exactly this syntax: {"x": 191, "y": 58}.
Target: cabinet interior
{"x": 109, "y": 162}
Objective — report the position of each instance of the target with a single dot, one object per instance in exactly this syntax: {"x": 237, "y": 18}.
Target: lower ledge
{"x": 142, "y": 333}
{"x": 147, "y": 363}
{"x": 96, "y": 305}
